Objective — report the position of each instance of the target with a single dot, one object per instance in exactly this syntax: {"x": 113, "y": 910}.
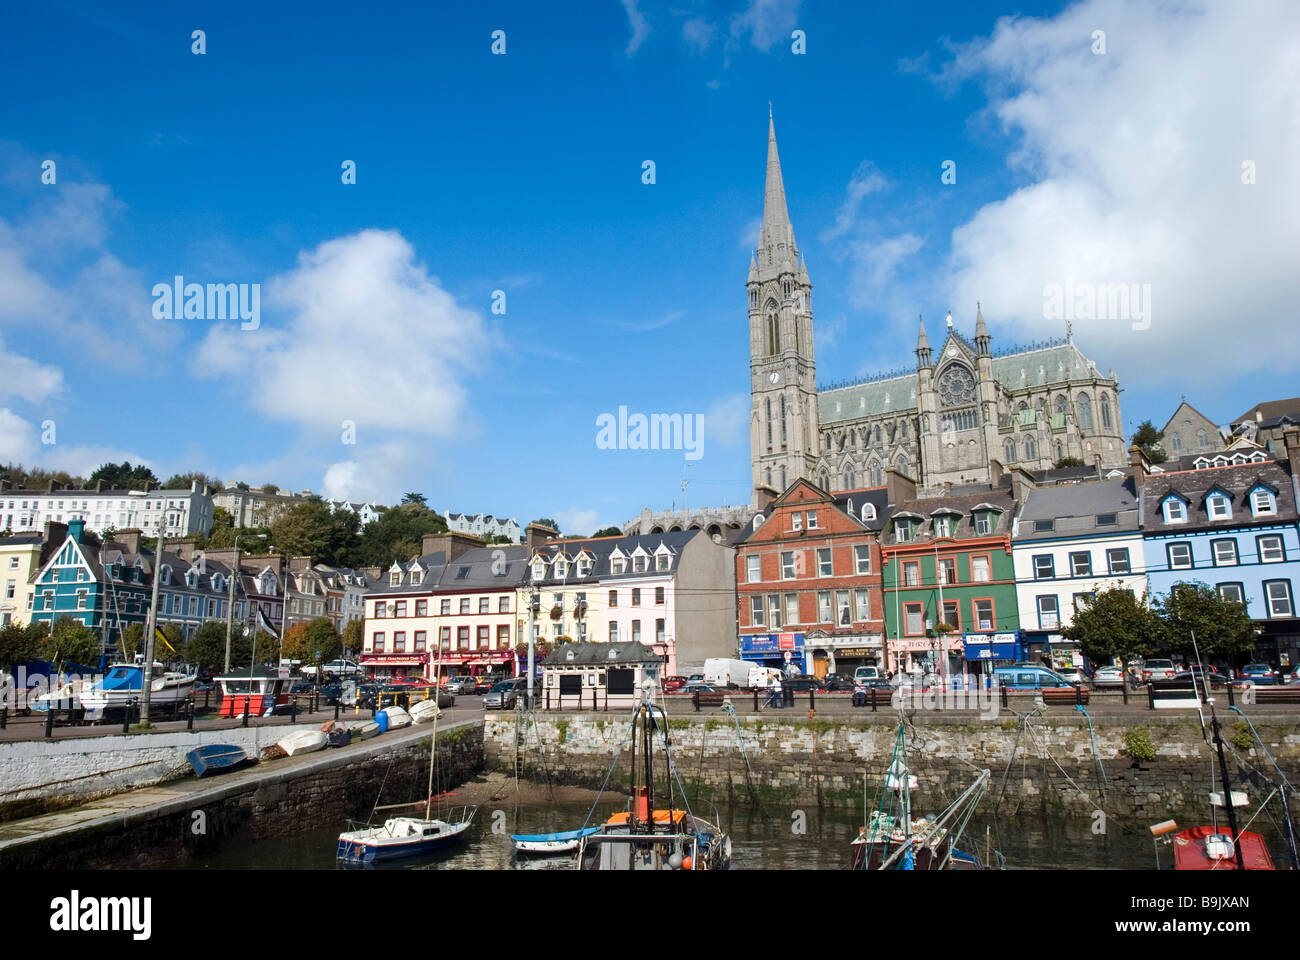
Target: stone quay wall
{"x": 38, "y": 775}
{"x": 1046, "y": 764}
{"x": 275, "y": 799}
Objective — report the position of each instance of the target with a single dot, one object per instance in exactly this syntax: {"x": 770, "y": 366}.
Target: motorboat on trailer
{"x": 123, "y": 685}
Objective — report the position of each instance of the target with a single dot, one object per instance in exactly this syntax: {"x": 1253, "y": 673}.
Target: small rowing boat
{"x": 423, "y": 711}
{"x": 393, "y": 718}
{"x": 214, "y": 758}
{"x": 304, "y": 741}
{"x": 364, "y": 729}
{"x": 547, "y": 844}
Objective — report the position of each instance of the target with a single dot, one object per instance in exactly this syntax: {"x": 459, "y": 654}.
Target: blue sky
{"x": 523, "y": 173}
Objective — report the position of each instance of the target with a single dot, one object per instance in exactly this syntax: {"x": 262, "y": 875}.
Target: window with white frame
{"x": 979, "y": 570}
{"x": 1180, "y": 556}
{"x": 1044, "y": 567}
{"x": 824, "y": 606}
{"x": 796, "y": 520}
{"x": 824, "y": 565}
{"x": 1081, "y": 564}
{"x": 792, "y": 608}
{"x": 1262, "y": 502}
{"x": 984, "y": 523}
{"x": 903, "y": 531}
{"x": 1232, "y": 591}
{"x": 1175, "y": 510}
{"x": 1225, "y": 552}
{"x": 1270, "y": 549}
{"x": 943, "y": 526}
{"x": 755, "y": 611}
{"x": 753, "y": 569}
{"x": 947, "y": 570}
{"x": 1049, "y": 614}
{"x": 863, "y": 598}
{"x": 1277, "y": 596}
{"x": 868, "y": 512}
{"x": 862, "y": 558}
{"x": 774, "y": 610}
{"x": 912, "y": 574}
{"x": 1117, "y": 560}
{"x": 787, "y": 565}
{"x": 842, "y": 612}
{"x": 1219, "y": 507}
{"x": 812, "y": 519}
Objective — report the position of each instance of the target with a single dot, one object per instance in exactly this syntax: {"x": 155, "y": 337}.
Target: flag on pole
{"x": 265, "y": 624}
{"x": 161, "y": 637}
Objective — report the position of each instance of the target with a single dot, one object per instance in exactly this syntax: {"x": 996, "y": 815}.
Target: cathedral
{"x": 965, "y": 404}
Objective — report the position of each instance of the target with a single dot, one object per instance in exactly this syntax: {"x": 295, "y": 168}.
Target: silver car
{"x": 1108, "y": 677}
{"x": 505, "y": 694}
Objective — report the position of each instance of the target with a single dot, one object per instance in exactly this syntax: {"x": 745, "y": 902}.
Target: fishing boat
{"x": 213, "y": 758}
{"x": 401, "y": 837}
{"x": 550, "y": 844}
{"x": 646, "y": 838}
{"x": 894, "y": 839}
{"x": 257, "y": 691}
{"x": 123, "y": 686}
{"x": 422, "y": 711}
{"x": 393, "y": 718}
{"x": 304, "y": 741}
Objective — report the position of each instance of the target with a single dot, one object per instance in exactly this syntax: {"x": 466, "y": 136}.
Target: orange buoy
{"x": 687, "y": 863}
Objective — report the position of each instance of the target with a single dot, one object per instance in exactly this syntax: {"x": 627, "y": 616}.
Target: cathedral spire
{"x": 922, "y": 346}
{"x": 776, "y": 239}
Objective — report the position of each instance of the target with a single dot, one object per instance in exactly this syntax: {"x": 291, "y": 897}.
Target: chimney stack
{"x": 898, "y": 487}
{"x": 536, "y": 534}
{"x": 299, "y": 564}
{"x": 1021, "y": 483}
{"x": 1138, "y": 468}
{"x": 1291, "y": 442}
{"x": 763, "y": 496}
{"x": 129, "y": 539}
{"x": 452, "y": 543}
{"x": 995, "y": 473}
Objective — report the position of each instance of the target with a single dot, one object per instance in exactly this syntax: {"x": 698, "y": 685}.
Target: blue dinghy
{"x": 547, "y": 843}
{"x": 214, "y": 758}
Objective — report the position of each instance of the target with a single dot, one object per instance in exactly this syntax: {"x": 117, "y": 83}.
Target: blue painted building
{"x": 1231, "y": 522}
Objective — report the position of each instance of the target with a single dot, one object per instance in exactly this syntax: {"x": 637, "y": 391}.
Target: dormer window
{"x": 561, "y": 568}
{"x": 1175, "y": 510}
{"x": 943, "y": 526}
{"x": 662, "y": 561}
{"x": 758, "y": 520}
{"x": 617, "y": 565}
{"x": 984, "y": 521}
{"x": 903, "y": 531}
{"x": 395, "y": 578}
{"x": 1262, "y": 502}
{"x": 191, "y": 578}
{"x": 167, "y": 576}
{"x": 1218, "y": 506}
{"x": 868, "y": 512}
{"x": 638, "y": 564}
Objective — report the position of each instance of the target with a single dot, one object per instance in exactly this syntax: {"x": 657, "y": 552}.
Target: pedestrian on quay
{"x": 774, "y": 693}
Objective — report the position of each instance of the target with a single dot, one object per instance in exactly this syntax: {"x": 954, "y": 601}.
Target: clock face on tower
{"x": 774, "y": 377}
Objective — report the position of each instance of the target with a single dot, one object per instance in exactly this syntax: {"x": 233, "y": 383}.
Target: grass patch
{"x": 1241, "y": 736}
{"x": 1138, "y": 744}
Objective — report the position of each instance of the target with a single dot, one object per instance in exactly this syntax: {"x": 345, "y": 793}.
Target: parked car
{"x": 505, "y": 694}
{"x": 1260, "y": 673}
{"x": 673, "y": 684}
{"x": 462, "y": 684}
{"x": 1215, "y": 678}
{"x": 1074, "y": 675}
{"x": 484, "y": 685}
{"x": 868, "y": 673}
{"x": 695, "y": 678}
{"x": 837, "y": 681}
{"x": 340, "y": 668}
{"x": 1108, "y": 677}
{"x": 1293, "y": 676}
{"x": 1158, "y": 669}
{"x": 698, "y": 687}
{"x": 1028, "y": 678}
{"x": 802, "y": 683}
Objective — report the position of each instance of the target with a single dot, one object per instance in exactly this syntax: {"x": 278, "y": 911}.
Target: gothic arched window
{"x": 767, "y": 402}
{"x": 956, "y": 386}
{"x": 904, "y": 467}
{"x": 1060, "y": 403}
{"x": 1010, "y": 450}
{"x": 877, "y": 433}
{"x": 1176, "y": 442}
{"x": 1202, "y": 438}
{"x": 783, "y": 421}
{"x": 825, "y": 480}
{"x": 1060, "y": 452}
{"x": 1031, "y": 449}
{"x": 1084, "y": 406}
{"x": 773, "y": 330}
{"x": 783, "y": 478}
{"x": 1105, "y": 412}
{"x": 848, "y": 478}
{"x": 767, "y": 476}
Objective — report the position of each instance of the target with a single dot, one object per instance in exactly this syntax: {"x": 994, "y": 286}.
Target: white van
{"x": 760, "y": 678}
{"x": 724, "y": 672}
{"x": 867, "y": 673}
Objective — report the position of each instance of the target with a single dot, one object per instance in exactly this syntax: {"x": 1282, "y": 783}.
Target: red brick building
{"x": 808, "y": 579}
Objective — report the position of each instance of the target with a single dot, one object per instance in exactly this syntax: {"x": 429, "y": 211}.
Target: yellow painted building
{"x": 20, "y": 558}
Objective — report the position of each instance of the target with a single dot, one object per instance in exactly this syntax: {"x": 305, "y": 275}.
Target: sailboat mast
{"x": 649, "y": 771}
{"x": 1227, "y": 791}
{"x": 433, "y": 739}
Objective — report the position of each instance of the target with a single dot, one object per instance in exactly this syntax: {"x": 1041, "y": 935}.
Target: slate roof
{"x": 503, "y": 566}
{"x": 1272, "y": 412}
{"x": 601, "y": 654}
{"x": 1074, "y": 508}
{"x": 964, "y": 503}
{"x": 1237, "y": 481}
{"x": 602, "y": 547}
{"x": 432, "y": 564}
{"x": 876, "y": 496}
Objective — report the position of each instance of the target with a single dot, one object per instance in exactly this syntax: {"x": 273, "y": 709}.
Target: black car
{"x": 1215, "y": 678}
{"x": 803, "y": 683}
{"x": 834, "y": 681}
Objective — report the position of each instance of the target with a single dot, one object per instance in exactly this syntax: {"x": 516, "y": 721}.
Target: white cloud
{"x": 875, "y": 265}
{"x": 578, "y": 522}
{"x": 368, "y": 335}
{"x": 766, "y": 22}
{"x": 866, "y": 180}
{"x": 726, "y": 422}
{"x": 698, "y": 33}
{"x": 21, "y": 442}
{"x": 17, "y": 439}
{"x": 1135, "y": 161}
{"x": 749, "y": 234}
{"x": 26, "y": 379}
{"x": 640, "y": 27}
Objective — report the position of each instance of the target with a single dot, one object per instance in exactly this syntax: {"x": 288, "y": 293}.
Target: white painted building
{"x": 485, "y": 525}
{"x": 177, "y": 513}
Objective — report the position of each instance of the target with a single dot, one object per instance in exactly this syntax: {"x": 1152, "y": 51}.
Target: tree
{"x": 294, "y": 646}
{"x": 497, "y": 538}
{"x": 396, "y": 535}
{"x": 311, "y": 529}
{"x": 71, "y": 641}
{"x": 182, "y": 481}
{"x": 129, "y": 642}
{"x": 1068, "y": 462}
{"x": 207, "y": 647}
{"x": 1115, "y": 624}
{"x": 123, "y": 476}
{"x": 20, "y": 643}
{"x": 241, "y": 485}
{"x": 1147, "y": 438}
{"x": 323, "y": 641}
{"x": 608, "y": 532}
{"x": 354, "y": 633}
{"x": 1222, "y": 628}
{"x": 414, "y": 497}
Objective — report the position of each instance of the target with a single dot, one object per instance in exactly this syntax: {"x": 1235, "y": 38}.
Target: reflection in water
{"x": 761, "y": 839}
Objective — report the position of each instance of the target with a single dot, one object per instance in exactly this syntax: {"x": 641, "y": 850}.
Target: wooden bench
{"x": 1064, "y": 695}
{"x": 1283, "y": 694}
{"x": 872, "y": 697}
{"x": 709, "y": 698}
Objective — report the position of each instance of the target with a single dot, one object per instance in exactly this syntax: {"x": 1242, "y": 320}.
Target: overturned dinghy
{"x": 393, "y": 718}
{"x": 364, "y": 729}
{"x": 304, "y": 741}
{"x": 424, "y": 710}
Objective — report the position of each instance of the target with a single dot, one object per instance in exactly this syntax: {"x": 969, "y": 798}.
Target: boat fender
{"x": 688, "y": 863}
{"x": 676, "y": 861}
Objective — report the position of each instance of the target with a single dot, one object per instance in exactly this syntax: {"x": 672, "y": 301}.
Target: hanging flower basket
{"x": 557, "y": 612}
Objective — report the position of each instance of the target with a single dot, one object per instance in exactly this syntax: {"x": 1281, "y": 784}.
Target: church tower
{"x": 783, "y": 431}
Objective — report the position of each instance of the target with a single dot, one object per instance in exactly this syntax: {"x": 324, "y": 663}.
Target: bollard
{"x": 1078, "y": 695}
{"x": 4, "y": 717}
{"x": 756, "y": 701}
{"x": 1151, "y": 696}
{"x": 189, "y": 722}
{"x": 1004, "y": 696}
{"x": 873, "y": 699}
{"x": 293, "y": 709}
{"x": 336, "y": 706}
{"x": 49, "y": 723}
{"x": 695, "y": 697}
{"x": 248, "y": 702}
{"x": 126, "y": 718}
{"x": 206, "y": 694}
{"x": 1232, "y": 701}
{"x": 812, "y": 698}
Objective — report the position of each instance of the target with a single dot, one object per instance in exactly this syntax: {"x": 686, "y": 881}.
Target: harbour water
{"x": 764, "y": 840}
